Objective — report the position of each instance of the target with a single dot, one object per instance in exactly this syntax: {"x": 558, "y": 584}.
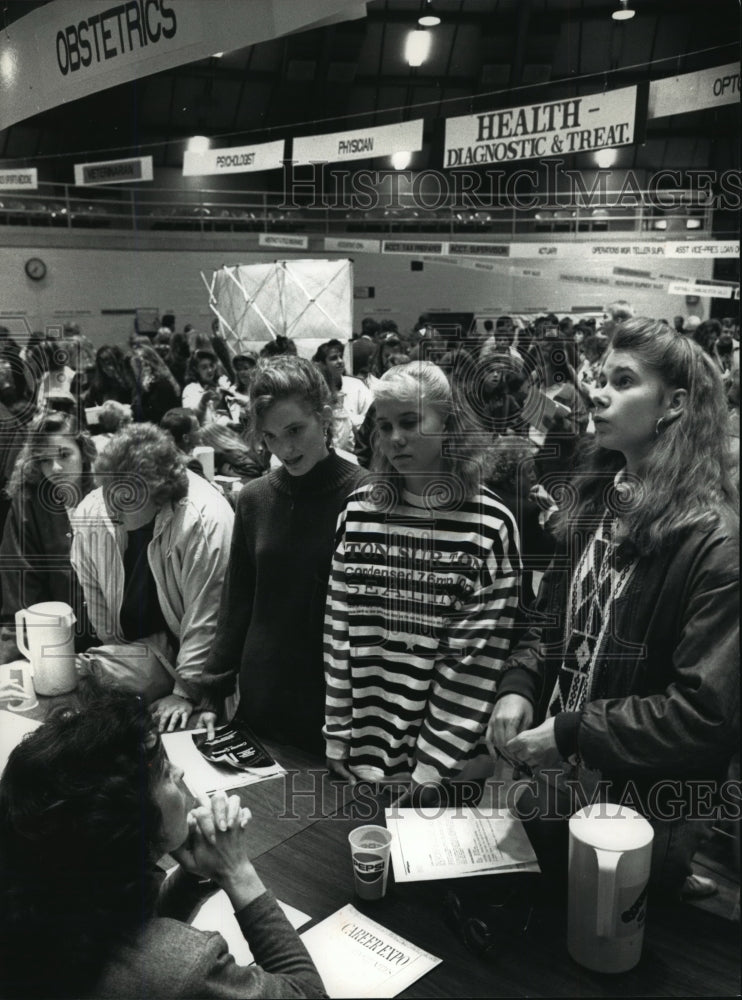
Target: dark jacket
{"x": 664, "y": 698}
{"x": 35, "y": 558}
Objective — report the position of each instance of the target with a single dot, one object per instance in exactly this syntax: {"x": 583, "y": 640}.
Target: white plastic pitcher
{"x": 610, "y": 852}
{"x": 45, "y": 636}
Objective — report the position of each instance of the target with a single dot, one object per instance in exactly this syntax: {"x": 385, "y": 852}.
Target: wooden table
{"x": 300, "y": 848}
{"x": 687, "y": 951}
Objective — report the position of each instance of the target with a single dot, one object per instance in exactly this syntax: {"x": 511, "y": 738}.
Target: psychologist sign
{"x": 235, "y": 160}
{"x": 573, "y": 125}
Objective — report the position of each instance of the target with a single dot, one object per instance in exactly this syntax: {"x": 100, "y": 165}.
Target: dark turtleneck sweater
{"x": 273, "y": 601}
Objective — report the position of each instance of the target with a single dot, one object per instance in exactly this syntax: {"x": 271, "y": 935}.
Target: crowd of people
{"x": 520, "y": 543}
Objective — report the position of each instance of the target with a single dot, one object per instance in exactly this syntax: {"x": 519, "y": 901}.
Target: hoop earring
{"x": 658, "y": 426}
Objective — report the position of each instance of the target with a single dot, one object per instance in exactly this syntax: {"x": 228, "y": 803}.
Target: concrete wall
{"x": 98, "y": 280}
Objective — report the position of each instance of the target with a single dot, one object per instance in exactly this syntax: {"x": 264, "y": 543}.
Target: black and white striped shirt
{"x": 420, "y": 617}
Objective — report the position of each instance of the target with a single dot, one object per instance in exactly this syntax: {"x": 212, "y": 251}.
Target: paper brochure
{"x": 201, "y": 777}
{"x": 455, "y": 843}
{"x": 12, "y": 730}
{"x": 356, "y": 957}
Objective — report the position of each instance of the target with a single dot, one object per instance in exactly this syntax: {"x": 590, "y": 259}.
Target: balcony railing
{"x": 253, "y": 211}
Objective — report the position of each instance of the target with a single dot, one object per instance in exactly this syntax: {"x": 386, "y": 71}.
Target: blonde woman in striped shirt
{"x": 422, "y": 598}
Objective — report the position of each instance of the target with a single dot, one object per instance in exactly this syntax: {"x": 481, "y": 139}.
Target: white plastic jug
{"x": 45, "y": 635}
{"x": 610, "y": 852}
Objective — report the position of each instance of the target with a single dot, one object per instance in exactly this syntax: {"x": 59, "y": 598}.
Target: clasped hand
{"x": 217, "y": 843}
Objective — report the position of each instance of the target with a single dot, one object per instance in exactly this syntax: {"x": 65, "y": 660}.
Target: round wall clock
{"x": 35, "y": 268}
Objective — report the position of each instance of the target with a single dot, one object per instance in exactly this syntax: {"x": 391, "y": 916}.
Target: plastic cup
{"x": 370, "y": 848}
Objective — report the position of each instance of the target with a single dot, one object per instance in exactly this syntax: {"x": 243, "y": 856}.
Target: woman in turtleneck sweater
{"x": 272, "y": 608}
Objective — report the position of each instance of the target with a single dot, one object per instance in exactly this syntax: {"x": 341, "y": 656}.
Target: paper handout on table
{"x": 356, "y": 957}
{"x": 217, "y": 914}
{"x": 452, "y": 843}
{"x": 12, "y": 730}
{"x": 200, "y": 776}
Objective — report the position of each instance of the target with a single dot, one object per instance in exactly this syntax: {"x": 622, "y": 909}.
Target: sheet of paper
{"x": 454, "y": 843}
{"x": 201, "y": 777}
{"x": 12, "y": 730}
{"x": 217, "y": 914}
{"x": 356, "y": 957}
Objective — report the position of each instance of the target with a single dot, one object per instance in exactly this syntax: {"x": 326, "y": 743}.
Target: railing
{"x": 253, "y": 211}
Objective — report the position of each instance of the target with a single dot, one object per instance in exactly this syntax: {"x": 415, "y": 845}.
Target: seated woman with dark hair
{"x": 155, "y": 388}
{"x": 150, "y": 548}
{"x": 206, "y": 390}
{"x": 110, "y": 379}
{"x": 386, "y": 348}
{"x": 178, "y": 356}
{"x": 51, "y": 476}
{"x": 88, "y": 804}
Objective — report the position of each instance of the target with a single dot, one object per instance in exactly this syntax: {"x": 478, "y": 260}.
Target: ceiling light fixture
{"x": 606, "y": 157}
{"x": 401, "y": 160}
{"x": 417, "y": 47}
{"x": 217, "y": 55}
{"x": 428, "y": 18}
{"x": 198, "y": 144}
{"x": 624, "y": 12}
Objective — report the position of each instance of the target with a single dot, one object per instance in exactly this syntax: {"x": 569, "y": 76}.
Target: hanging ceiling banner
{"x": 703, "y": 248}
{"x": 350, "y": 245}
{"x": 237, "y": 160}
{"x": 11, "y": 180}
{"x": 699, "y": 288}
{"x": 360, "y": 144}
{"x": 612, "y": 250}
{"x": 574, "y": 125}
{"x": 708, "y": 88}
{"x": 70, "y": 48}
{"x": 285, "y": 242}
{"x": 136, "y": 168}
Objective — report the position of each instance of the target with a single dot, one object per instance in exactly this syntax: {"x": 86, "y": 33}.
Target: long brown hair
{"x": 686, "y": 479}
{"x": 27, "y": 471}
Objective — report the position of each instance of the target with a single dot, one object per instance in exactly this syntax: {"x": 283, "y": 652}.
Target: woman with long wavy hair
{"x": 111, "y": 377}
{"x": 232, "y": 455}
{"x": 628, "y": 682}
{"x": 89, "y": 803}
{"x": 52, "y": 474}
{"x": 155, "y": 389}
